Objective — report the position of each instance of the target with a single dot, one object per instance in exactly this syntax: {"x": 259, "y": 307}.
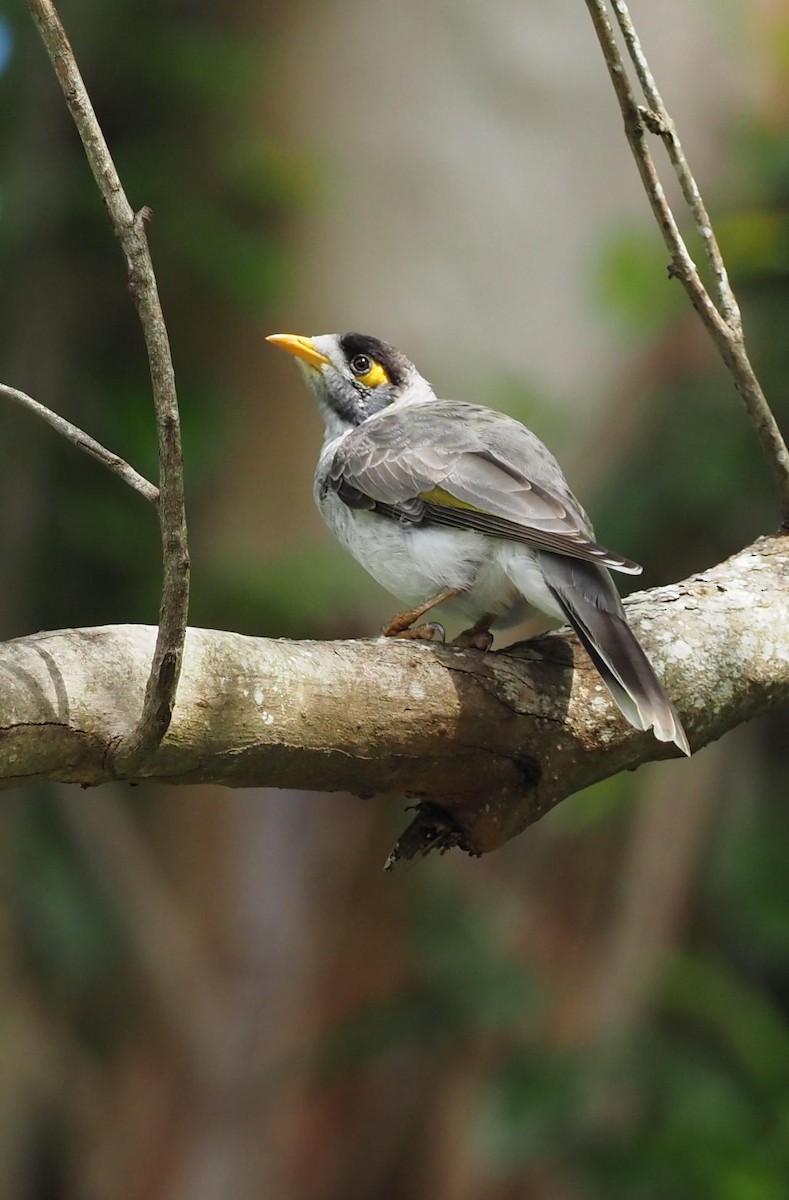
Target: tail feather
{"x": 586, "y": 595}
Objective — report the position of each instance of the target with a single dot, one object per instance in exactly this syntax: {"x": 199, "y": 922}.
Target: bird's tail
{"x": 588, "y": 598}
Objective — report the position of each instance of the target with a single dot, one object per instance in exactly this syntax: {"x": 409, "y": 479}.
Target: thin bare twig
{"x": 728, "y": 337}
{"x": 129, "y": 228}
{"x": 664, "y": 126}
{"x": 83, "y": 441}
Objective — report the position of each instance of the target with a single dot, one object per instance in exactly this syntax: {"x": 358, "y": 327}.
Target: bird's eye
{"x": 361, "y": 364}
{"x": 369, "y": 372}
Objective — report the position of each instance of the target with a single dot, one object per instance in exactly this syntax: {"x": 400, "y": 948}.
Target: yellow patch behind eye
{"x": 374, "y": 377}
{"x": 437, "y": 495}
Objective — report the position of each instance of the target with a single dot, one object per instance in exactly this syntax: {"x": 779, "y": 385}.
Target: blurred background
{"x": 209, "y": 994}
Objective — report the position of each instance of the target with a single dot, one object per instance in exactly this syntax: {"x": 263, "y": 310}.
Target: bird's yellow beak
{"x": 301, "y": 347}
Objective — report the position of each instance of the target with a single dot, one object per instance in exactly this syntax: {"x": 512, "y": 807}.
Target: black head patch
{"x": 393, "y": 362}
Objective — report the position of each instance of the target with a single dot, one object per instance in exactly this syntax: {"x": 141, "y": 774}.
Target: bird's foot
{"x": 400, "y": 626}
{"x": 471, "y": 639}
{"x": 478, "y": 637}
{"x": 432, "y": 631}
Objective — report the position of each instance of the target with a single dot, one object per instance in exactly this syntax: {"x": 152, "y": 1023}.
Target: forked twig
{"x": 723, "y": 323}
{"x": 658, "y": 121}
{"x": 129, "y": 228}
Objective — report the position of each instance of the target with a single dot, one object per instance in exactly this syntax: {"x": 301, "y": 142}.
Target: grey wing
{"x": 453, "y": 464}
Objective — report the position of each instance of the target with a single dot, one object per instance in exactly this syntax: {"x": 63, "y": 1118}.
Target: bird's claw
{"x": 432, "y": 631}
{"x": 478, "y": 637}
{"x": 474, "y": 639}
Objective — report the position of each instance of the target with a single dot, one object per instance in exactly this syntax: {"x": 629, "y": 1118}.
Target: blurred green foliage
{"x": 68, "y": 935}
{"x": 462, "y": 983}
{"x": 218, "y": 189}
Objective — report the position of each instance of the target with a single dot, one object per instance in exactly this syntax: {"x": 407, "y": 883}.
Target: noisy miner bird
{"x": 455, "y": 504}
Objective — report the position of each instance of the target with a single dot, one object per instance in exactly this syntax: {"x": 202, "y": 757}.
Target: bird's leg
{"x": 400, "y": 626}
{"x": 478, "y": 637}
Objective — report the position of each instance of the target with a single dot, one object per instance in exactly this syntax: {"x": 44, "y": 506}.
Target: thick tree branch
{"x": 723, "y": 325}
{"x": 83, "y": 441}
{"x": 129, "y": 228}
{"x": 489, "y": 742}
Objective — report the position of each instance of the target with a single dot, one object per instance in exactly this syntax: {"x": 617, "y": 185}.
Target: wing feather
{"x": 458, "y": 465}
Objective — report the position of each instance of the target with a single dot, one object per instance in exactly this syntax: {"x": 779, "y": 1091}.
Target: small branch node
{"x": 654, "y": 122}
{"x": 432, "y": 829}
{"x": 682, "y": 267}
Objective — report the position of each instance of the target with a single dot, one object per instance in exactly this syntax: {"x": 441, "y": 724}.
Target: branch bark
{"x": 129, "y": 228}
{"x": 487, "y": 743}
